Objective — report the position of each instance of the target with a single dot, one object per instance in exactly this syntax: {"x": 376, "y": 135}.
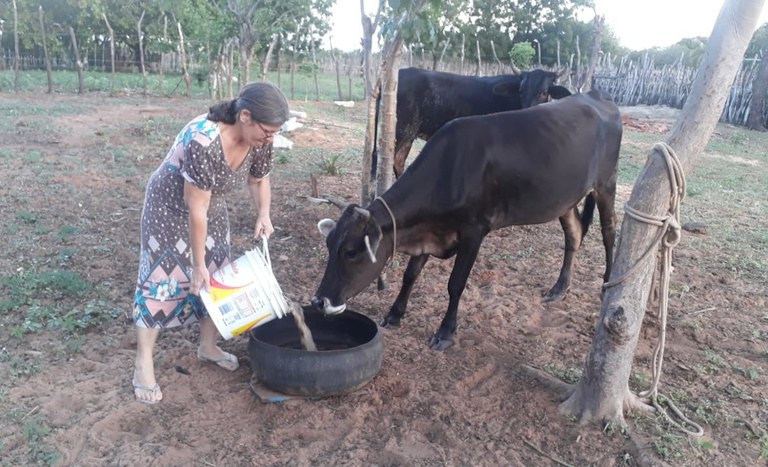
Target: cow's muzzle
{"x": 324, "y": 305}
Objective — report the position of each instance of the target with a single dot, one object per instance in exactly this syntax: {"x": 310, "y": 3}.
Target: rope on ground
{"x": 667, "y": 238}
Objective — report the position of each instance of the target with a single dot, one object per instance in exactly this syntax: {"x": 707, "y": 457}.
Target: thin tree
{"x": 48, "y": 71}
{"x": 597, "y": 24}
{"x": 371, "y": 94}
{"x": 111, "y": 56}
{"x": 393, "y": 52}
{"x": 603, "y": 392}
{"x": 336, "y": 67}
{"x": 78, "y": 61}
{"x": 268, "y": 57}
{"x": 141, "y": 53}
{"x": 16, "y": 57}
{"x": 369, "y": 28}
{"x": 183, "y": 57}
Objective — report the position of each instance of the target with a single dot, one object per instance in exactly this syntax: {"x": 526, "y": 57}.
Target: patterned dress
{"x": 165, "y": 265}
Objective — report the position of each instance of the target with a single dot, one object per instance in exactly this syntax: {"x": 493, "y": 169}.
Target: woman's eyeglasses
{"x": 270, "y": 134}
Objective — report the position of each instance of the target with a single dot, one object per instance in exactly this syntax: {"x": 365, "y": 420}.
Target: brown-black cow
{"x": 475, "y": 175}
{"x": 427, "y": 100}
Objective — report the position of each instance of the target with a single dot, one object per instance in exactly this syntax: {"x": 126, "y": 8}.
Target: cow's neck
{"x": 388, "y": 223}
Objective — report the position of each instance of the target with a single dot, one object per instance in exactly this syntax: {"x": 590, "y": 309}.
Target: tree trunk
{"x": 603, "y": 393}
{"x": 315, "y": 67}
{"x": 461, "y": 63}
{"x": 369, "y": 28}
{"x": 336, "y": 68}
{"x": 367, "y": 192}
{"x": 599, "y": 21}
{"x": 16, "y": 57}
{"x": 111, "y": 56}
{"x": 389, "y": 73}
{"x": 183, "y": 57}
{"x": 268, "y": 58}
{"x": 141, "y": 54}
{"x": 162, "y": 55}
{"x": 756, "y": 119}
{"x": 477, "y": 46}
{"x": 231, "y": 69}
{"x": 48, "y": 71}
{"x": 78, "y": 62}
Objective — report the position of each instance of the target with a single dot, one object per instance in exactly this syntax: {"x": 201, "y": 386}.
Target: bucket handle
{"x": 265, "y": 249}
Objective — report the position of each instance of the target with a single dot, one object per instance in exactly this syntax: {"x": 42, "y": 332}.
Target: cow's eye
{"x": 350, "y": 253}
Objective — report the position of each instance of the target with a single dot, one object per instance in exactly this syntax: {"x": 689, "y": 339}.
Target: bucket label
{"x": 243, "y": 294}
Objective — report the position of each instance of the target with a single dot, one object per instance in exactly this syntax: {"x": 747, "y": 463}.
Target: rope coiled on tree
{"x": 667, "y": 237}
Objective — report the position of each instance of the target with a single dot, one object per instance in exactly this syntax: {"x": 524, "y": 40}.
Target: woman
{"x": 184, "y": 223}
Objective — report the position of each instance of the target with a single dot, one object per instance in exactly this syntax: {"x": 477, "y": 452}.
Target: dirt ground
{"x": 472, "y": 405}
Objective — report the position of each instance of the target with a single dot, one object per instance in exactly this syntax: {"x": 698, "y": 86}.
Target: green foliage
{"x": 27, "y": 217}
{"x": 66, "y": 232}
{"x": 25, "y": 286}
{"x": 522, "y": 55}
{"x": 330, "y": 165}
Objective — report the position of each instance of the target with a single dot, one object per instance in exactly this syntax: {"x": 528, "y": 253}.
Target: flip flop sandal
{"x": 139, "y": 388}
{"x": 228, "y": 361}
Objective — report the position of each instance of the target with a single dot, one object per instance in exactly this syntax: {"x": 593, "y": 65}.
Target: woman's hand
{"x": 263, "y": 227}
{"x": 201, "y": 279}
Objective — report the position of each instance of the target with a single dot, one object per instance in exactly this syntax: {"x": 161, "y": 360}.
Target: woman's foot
{"x": 219, "y": 357}
{"x": 145, "y": 388}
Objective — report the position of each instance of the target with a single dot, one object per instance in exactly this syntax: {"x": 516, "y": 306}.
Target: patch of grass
{"x": 42, "y": 230}
{"x": 763, "y": 446}
{"x": 66, "y": 232}
{"x": 27, "y": 217}
{"x": 33, "y": 156}
{"x": 709, "y": 411}
{"x": 669, "y": 446}
{"x": 571, "y": 375}
{"x": 35, "y": 432}
{"x": 64, "y": 282}
{"x": 66, "y": 254}
{"x": 26, "y": 285}
{"x": 331, "y": 165}
{"x": 22, "y": 368}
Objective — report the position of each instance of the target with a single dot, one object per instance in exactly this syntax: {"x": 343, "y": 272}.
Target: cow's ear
{"x": 558, "y": 92}
{"x": 507, "y": 88}
{"x": 325, "y": 226}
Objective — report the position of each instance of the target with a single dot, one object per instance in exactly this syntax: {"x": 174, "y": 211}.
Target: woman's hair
{"x": 265, "y": 101}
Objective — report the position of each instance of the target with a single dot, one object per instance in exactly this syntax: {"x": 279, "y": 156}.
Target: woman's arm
{"x": 261, "y": 193}
{"x": 197, "y": 201}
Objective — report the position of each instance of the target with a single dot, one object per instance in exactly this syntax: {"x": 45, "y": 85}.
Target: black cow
{"x": 475, "y": 175}
{"x": 427, "y": 100}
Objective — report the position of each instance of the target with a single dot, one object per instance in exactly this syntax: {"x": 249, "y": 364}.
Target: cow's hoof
{"x": 436, "y": 343}
{"x": 553, "y": 296}
{"x": 390, "y": 321}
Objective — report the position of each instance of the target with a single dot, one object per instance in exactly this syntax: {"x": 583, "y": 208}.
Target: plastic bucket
{"x": 244, "y": 294}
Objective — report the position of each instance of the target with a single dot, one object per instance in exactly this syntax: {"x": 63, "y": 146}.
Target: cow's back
{"x": 427, "y": 100}
{"x": 511, "y": 163}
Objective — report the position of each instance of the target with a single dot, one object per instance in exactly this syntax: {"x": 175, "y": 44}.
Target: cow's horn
{"x": 363, "y": 212}
{"x": 339, "y": 204}
{"x": 368, "y": 248}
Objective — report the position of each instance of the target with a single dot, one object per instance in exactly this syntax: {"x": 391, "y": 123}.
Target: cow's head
{"x": 535, "y": 87}
{"x": 354, "y": 258}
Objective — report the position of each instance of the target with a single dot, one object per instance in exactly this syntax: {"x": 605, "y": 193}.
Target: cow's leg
{"x": 574, "y": 233}
{"x": 465, "y": 259}
{"x": 402, "y": 148}
{"x": 412, "y": 271}
{"x": 605, "y": 205}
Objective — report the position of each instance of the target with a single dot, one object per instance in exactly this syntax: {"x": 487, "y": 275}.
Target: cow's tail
{"x": 375, "y": 151}
{"x": 587, "y": 213}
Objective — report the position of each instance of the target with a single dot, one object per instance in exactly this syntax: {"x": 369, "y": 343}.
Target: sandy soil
{"x": 470, "y": 405}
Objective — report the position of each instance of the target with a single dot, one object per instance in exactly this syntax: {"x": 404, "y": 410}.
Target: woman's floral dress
{"x": 165, "y": 264}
